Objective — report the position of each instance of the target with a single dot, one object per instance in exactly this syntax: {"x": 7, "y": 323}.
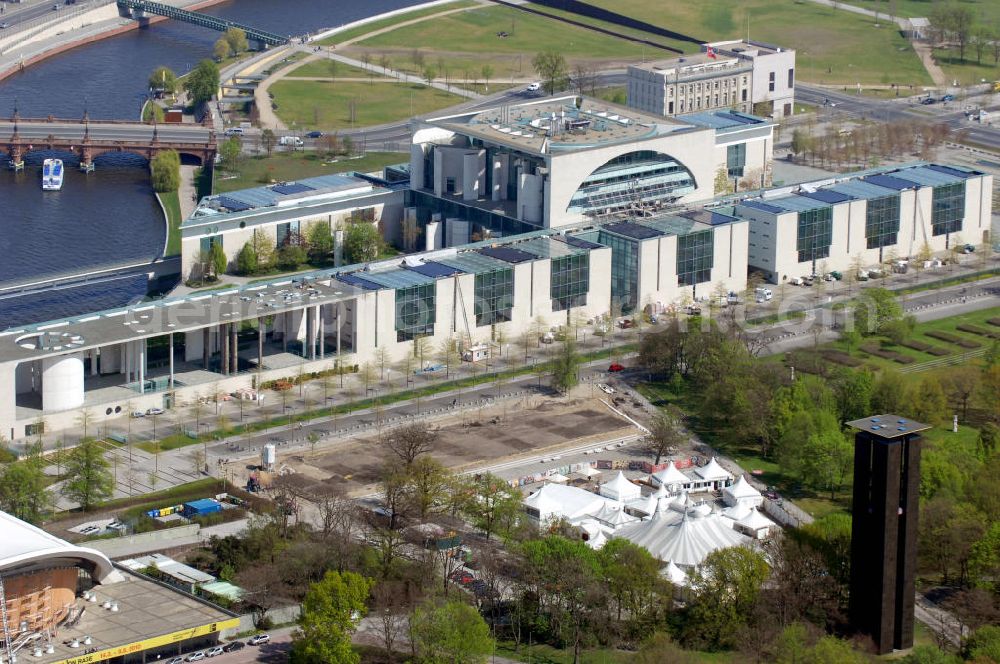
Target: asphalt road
{"x": 105, "y": 132}
{"x": 15, "y": 15}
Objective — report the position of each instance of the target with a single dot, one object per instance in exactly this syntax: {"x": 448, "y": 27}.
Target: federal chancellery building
{"x": 558, "y": 210}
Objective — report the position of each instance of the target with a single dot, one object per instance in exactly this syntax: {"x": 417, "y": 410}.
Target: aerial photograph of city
{"x": 500, "y": 331}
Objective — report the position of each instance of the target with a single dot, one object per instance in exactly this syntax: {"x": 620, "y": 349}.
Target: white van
{"x": 763, "y": 295}
{"x": 234, "y": 131}
{"x": 291, "y": 140}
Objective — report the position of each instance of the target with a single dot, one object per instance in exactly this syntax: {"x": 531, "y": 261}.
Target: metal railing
{"x": 135, "y": 7}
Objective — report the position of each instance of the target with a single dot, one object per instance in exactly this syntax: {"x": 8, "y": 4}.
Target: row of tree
{"x": 866, "y": 144}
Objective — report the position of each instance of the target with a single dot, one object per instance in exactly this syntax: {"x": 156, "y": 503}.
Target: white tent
{"x": 671, "y": 478}
{"x": 737, "y": 512}
{"x": 613, "y": 516}
{"x": 620, "y": 489}
{"x": 674, "y": 574}
{"x": 558, "y": 478}
{"x": 713, "y": 474}
{"x": 742, "y": 492}
{"x": 562, "y": 502}
{"x": 686, "y": 538}
{"x": 587, "y": 471}
{"x": 754, "y": 525}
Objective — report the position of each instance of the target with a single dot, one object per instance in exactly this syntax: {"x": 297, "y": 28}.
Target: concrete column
{"x": 260, "y": 343}
{"x": 93, "y": 361}
{"x": 142, "y": 365}
{"x": 340, "y": 307}
{"x": 170, "y": 343}
{"x": 284, "y": 332}
{"x": 234, "y": 346}
{"x": 310, "y": 339}
{"x": 322, "y": 332}
{"x": 224, "y": 333}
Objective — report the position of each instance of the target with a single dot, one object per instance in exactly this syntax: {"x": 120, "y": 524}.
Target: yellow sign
{"x": 154, "y": 642}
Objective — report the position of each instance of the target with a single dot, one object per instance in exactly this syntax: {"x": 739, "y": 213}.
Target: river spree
{"x": 111, "y": 216}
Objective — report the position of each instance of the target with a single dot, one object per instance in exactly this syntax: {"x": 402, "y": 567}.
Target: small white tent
{"x": 754, "y": 525}
{"x": 671, "y": 478}
{"x": 713, "y": 475}
{"x": 620, "y": 489}
{"x": 742, "y": 492}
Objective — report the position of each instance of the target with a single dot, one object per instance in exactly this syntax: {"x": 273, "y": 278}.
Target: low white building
{"x": 671, "y": 479}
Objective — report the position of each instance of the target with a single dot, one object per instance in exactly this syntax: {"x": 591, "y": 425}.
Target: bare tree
{"x": 665, "y": 434}
{"x": 390, "y": 607}
{"x": 410, "y": 441}
{"x": 262, "y": 586}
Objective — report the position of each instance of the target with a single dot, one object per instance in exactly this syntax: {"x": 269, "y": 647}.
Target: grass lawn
{"x": 331, "y": 69}
{"x": 545, "y": 654}
{"x": 372, "y": 26}
{"x": 968, "y": 71}
{"x": 833, "y": 46}
{"x": 285, "y": 166}
{"x": 172, "y": 204}
{"x": 324, "y": 105}
{"x": 987, "y": 11}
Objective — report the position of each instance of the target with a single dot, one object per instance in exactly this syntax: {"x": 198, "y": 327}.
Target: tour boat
{"x": 52, "y": 174}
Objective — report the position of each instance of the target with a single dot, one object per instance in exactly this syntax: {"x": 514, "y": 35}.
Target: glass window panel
{"x": 949, "y": 208}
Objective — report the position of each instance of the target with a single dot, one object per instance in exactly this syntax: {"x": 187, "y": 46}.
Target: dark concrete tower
{"x": 884, "y": 528}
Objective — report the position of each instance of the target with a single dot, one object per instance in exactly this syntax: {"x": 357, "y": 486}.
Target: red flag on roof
{"x": 710, "y": 52}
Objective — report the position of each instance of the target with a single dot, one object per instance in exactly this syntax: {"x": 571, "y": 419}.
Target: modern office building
{"x": 65, "y": 604}
{"x": 863, "y": 219}
{"x": 884, "y": 529}
{"x": 746, "y": 76}
{"x": 555, "y": 162}
{"x": 279, "y": 213}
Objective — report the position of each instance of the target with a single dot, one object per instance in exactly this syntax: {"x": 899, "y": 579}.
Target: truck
{"x": 293, "y": 141}
{"x": 763, "y": 294}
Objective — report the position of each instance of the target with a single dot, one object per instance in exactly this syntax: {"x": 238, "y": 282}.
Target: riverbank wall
{"x": 104, "y": 14}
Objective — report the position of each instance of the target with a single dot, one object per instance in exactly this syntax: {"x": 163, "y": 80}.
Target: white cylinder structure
{"x": 62, "y": 382}
{"x": 269, "y": 455}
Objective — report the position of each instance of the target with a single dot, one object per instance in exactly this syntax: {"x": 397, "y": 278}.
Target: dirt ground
{"x": 464, "y": 441}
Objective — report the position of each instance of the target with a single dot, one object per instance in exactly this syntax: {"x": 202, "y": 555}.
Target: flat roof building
{"x": 747, "y": 76}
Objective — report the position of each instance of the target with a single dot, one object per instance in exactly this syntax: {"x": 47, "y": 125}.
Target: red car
{"x": 615, "y": 368}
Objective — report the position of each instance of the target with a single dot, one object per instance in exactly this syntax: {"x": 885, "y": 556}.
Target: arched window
{"x": 643, "y": 177}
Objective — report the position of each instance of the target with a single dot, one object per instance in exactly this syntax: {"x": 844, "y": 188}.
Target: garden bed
{"x": 842, "y": 358}
{"x": 994, "y": 321}
{"x": 978, "y": 331}
{"x": 877, "y": 351}
{"x": 953, "y": 339}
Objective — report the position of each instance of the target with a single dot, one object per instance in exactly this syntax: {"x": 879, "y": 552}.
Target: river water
{"x": 111, "y": 216}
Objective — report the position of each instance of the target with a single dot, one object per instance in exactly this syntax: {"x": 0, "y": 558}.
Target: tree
{"x": 165, "y": 168}
{"x": 230, "y": 151}
{"x": 89, "y": 480}
{"x": 268, "y": 139}
{"x": 875, "y": 310}
{"x": 493, "y": 505}
{"x": 262, "y": 585}
{"x": 290, "y": 257}
{"x": 984, "y": 644}
{"x": 236, "y": 38}
{"x": 362, "y": 243}
{"x": 24, "y": 490}
{"x": 218, "y": 259}
{"x": 665, "y": 434}
{"x": 221, "y": 50}
{"x": 411, "y": 441}
{"x": 163, "y": 78}
{"x": 448, "y": 355}
{"x": 566, "y": 367}
{"x": 725, "y": 587}
{"x": 328, "y": 619}
{"x": 203, "y": 82}
{"x": 487, "y": 74}
{"x": 632, "y": 575}
{"x": 428, "y": 481}
{"x": 929, "y": 655}
{"x": 263, "y": 246}
{"x": 429, "y": 75}
{"x": 551, "y": 66}
{"x": 450, "y": 632}
{"x": 801, "y": 142}
{"x": 928, "y": 403}
{"x": 246, "y": 260}
{"x": 961, "y": 384}
{"x": 319, "y": 238}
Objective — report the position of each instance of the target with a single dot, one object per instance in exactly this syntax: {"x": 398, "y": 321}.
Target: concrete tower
{"x": 884, "y": 529}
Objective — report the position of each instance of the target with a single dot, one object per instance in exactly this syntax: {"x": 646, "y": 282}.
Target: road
{"x": 15, "y": 16}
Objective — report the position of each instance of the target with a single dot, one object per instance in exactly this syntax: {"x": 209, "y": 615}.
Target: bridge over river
{"x": 141, "y": 9}
{"x": 88, "y": 140}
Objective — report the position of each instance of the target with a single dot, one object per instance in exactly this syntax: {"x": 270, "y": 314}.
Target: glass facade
{"x": 643, "y": 176}
{"x": 815, "y": 234}
{"x": 736, "y": 159}
{"x": 206, "y": 243}
{"x": 494, "y": 296}
{"x": 882, "y": 221}
{"x": 624, "y": 270}
{"x": 695, "y": 256}
{"x": 415, "y": 311}
{"x": 287, "y": 233}
{"x": 570, "y": 281}
{"x": 949, "y": 208}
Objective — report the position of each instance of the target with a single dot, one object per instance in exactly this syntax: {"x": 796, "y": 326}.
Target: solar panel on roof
{"x": 288, "y": 188}
{"x": 710, "y": 217}
{"x": 574, "y": 241}
{"x": 434, "y": 270}
{"x": 233, "y": 205}
{"x": 952, "y": 171}
{"x": 826, "y": 195}
{"x": 736, "y": 118}
{"x": 761, "y": 205}
{"x": 889, "y": 182}
{"x": 355, "y": 280}
{"x": 507, "y": 254}
{"x": 636, "y": 231}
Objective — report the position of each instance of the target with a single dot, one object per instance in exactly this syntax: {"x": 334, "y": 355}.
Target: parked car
{"x": 533, "y": 87}
{"x": 3, "y": 26}
{"x": 692, "y": 310}
{"x": 195, "y": 657}
{"x": 969, "y": 249}
{"x": 948, "y": 98}
{"x": 176, "y": 660}
{"x": 315, "y": 134}
{"x": 233, "y": 131}
{"x": 259, "y": 639}
{"x": 154, "y": 411}
{"x": 607, "y": 389}
{"x": 137, "y": 413}
{"x": 836, "y": 275}
{"x": 615, "y": 367}
{"x": 214, "y": 652}
{"x": 233, "y": 646}
{"x": 928, "y": 101}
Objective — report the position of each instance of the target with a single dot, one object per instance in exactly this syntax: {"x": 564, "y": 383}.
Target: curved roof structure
{"x": 684, "y": 538}
{"x": 741, "y": 489}
{"x": 713, "y": 472}
{"x": 620, "y": 489}
{"x": 22, "y": 545}
{"x": 670, "y": 476}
